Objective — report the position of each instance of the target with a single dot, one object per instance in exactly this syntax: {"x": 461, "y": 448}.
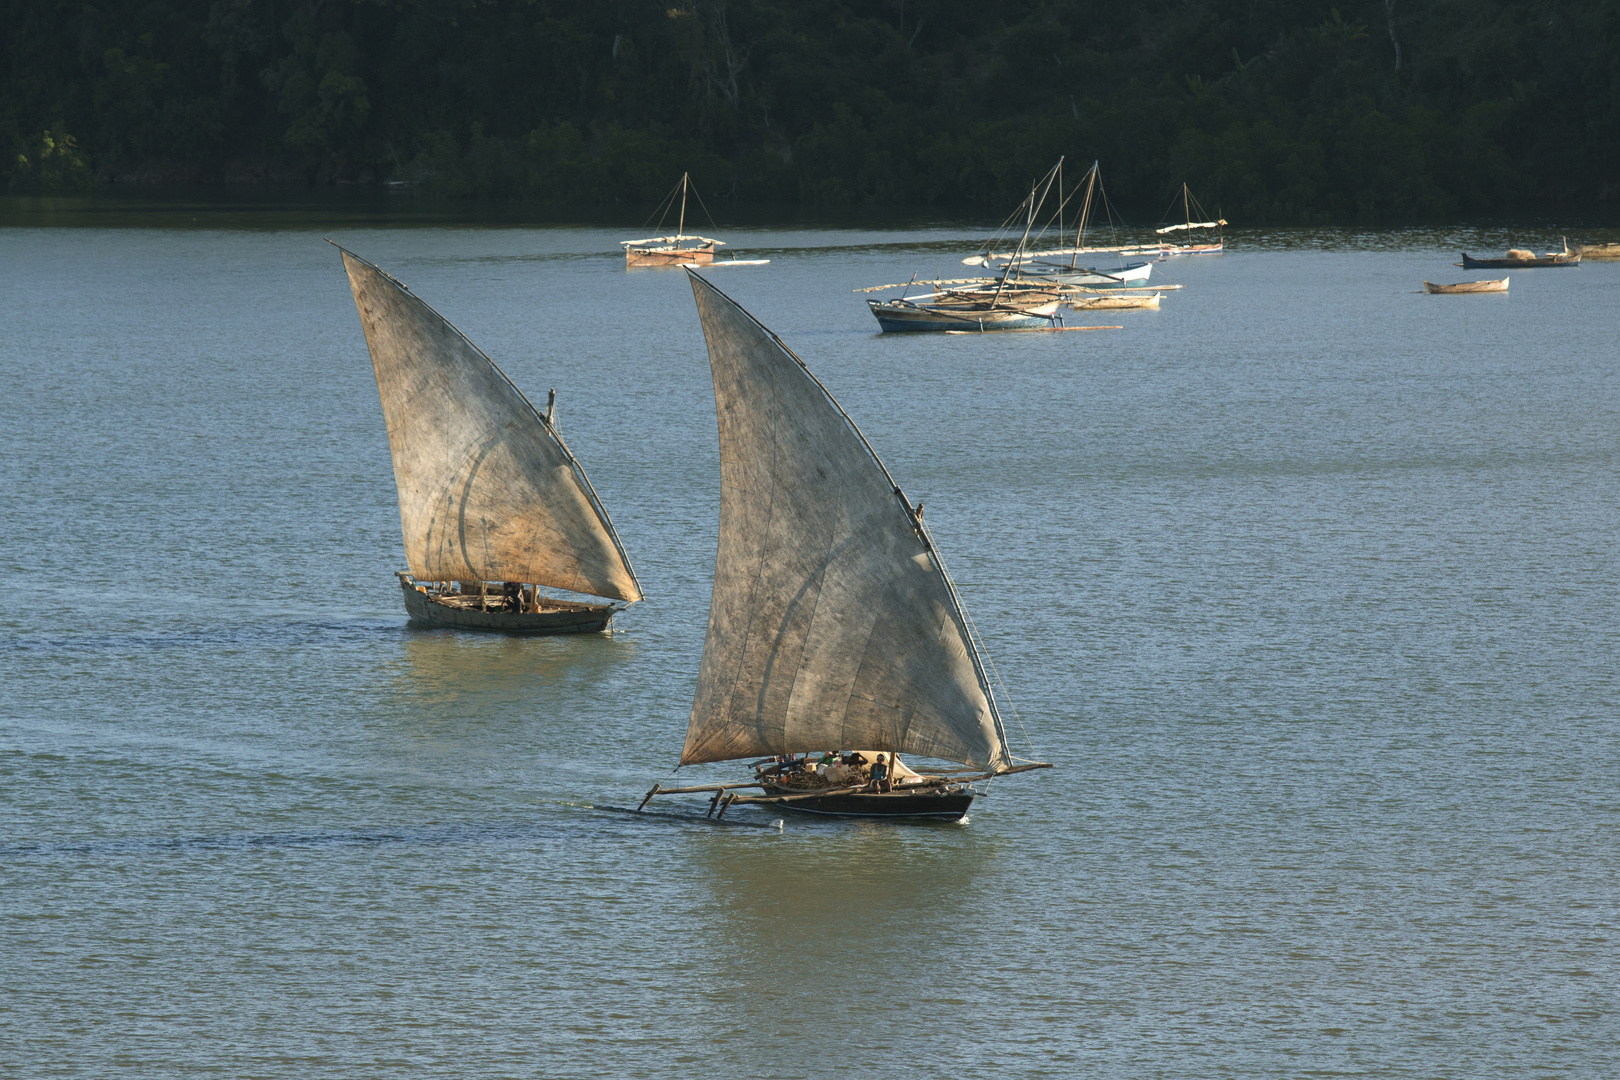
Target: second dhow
{"x": 494, "y": 508}
{"x": 833, "y": 624}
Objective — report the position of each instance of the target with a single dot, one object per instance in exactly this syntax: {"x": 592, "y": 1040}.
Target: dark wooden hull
{"x": 900, "y": 316}
{"x": 560, "y": 616}
{"x": 943, "y": 805}
{"x": 1471, "y": 263}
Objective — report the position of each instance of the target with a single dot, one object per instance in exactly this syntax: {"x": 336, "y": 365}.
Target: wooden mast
{"x": 680, "y": 229}
{"x": 1085, "y": 213}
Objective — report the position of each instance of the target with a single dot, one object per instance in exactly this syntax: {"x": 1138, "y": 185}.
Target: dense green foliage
{"x": 1273, "y": 110}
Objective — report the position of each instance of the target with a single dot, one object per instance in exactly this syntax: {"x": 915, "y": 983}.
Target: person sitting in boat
{"x": 510, "y": 601}
{"x": 880, "y": 774}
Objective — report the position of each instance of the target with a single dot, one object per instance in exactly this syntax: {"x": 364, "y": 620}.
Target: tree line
{"x": 1281, "y": 111}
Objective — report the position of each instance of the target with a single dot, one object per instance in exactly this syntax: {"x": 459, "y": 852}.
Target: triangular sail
{"x": 487, "y": 490}
{"x": 833, "y": 624}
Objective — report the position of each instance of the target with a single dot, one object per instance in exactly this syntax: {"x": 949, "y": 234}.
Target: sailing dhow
{"x": 494, "y": 508}
{"x": 833, "y": 625}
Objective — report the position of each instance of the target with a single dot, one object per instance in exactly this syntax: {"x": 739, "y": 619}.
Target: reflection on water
{"x": 833, "y": 918}
{"x": 453, "y": 668}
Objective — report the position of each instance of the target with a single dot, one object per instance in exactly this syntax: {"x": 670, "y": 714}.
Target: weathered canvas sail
{"x": 832, "y": 624}
{"x": 487, "y": 490}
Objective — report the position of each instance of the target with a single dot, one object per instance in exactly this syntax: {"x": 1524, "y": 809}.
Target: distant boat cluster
{"x": 1026, "y": 288}
{"x": 1521, "y": 259}
{"x": 1023, "y": 288}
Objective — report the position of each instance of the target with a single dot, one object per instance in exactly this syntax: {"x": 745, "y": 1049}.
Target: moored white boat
{"x": 1499, "y": 285}
{"x": 1188, "y": 225}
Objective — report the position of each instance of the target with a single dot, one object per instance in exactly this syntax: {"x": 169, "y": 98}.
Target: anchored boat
{"x": 494, "y": 508}
{"x": 1520, "y": 258}
{"x": 1007, "y": 302}
{"x": 1499, "y": 285}
{"x": 833, "y": 625}
{"x": 677, "y": 250}
{"x": 1188, "y": 225}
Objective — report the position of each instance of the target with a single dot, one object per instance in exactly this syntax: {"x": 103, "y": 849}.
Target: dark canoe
{"x": 937, "y": 802}
{"x": 556, "y": 617}
{"x": 1471, "y": 263}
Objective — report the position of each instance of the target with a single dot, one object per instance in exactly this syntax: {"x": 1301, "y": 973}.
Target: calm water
{"x": 1307, "y": 583}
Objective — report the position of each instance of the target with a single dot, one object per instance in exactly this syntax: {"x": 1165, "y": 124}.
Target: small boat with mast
{"x": 834, "y": 625}
{"x": 494, "y": 508}
{"x": 1188, "y": 225}
{"x": 676, "y": 250}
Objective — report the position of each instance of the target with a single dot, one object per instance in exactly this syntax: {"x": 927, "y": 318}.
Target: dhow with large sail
{"x": 836, "y": 640}
{"x": 495, "y": 510}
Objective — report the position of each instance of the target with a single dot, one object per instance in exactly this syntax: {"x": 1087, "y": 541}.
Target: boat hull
{"x": 559, "y": 617}
{"x": 668, "y": 256}
{"x": 1471, "y": 263}
{"x": 1468, "y": 287}
{"x": 898, "y": 316}
{"x": 939, "y": 805}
